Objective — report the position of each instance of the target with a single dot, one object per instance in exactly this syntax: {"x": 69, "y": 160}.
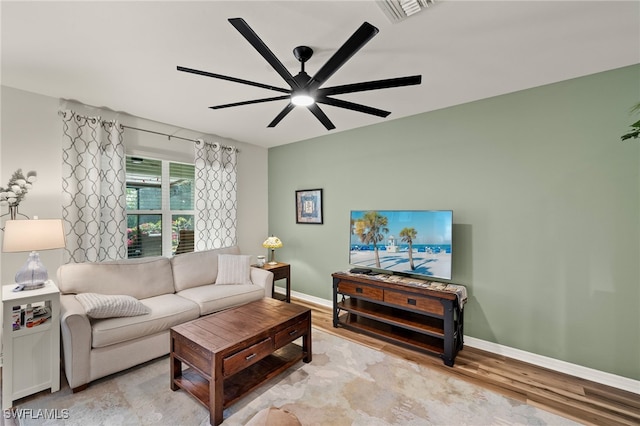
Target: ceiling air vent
{"x": 398, "y": 10}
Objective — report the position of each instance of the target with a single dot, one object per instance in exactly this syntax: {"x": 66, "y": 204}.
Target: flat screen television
{"x": 411, "y": 242}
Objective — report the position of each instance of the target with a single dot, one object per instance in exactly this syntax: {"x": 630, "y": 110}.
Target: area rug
{"x": 345, "y": 384}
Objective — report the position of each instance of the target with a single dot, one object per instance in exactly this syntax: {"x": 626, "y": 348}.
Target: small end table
{"x": 281, "y": 271}
{"x": 31, "y": 354}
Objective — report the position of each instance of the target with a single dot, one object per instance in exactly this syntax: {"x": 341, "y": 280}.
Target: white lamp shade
{"x": 30, "y": 235}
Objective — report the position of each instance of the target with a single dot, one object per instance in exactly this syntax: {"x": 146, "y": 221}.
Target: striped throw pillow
{"x": 110, "y": 306}
{"x": 234, "y": 269}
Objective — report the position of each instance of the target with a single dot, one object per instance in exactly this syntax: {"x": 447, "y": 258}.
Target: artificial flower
{"x": 17, "y": 188}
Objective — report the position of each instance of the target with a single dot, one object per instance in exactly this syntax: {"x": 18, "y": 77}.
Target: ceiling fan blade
{"x": 361, "y": 37}
{"x": 371, "y": 85}
{"x": 320, "y": 115}
{"x": 353, "y": 106}
{"x": 235, "y": 80}
{"x": 255, "y": 101}
{"x": 286, "y": 110}
{"x": 263, "y": 50}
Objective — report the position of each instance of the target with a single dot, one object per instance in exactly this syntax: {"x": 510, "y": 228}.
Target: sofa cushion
{"x": 234, "y": 269}
{"x": 166, "y": 311}
{"x": 197, "y": 268}
{"x": 108, "y": 306}
{"x": 140, "y": 278}
{"x": 213, "y": 298}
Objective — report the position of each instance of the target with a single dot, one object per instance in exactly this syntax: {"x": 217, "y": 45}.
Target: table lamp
{"x": 32, "y": 235}
{"x": 272, "y": 243}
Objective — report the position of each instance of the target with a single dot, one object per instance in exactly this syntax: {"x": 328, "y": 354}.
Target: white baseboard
{"x": 575, "y": 370}
{"x": 312, "y": 299}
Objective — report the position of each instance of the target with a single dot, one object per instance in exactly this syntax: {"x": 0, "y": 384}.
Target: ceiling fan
{"x": 305, "y": 90}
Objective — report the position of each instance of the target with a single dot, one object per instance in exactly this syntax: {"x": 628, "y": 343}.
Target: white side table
{"x": 31, "y": 355}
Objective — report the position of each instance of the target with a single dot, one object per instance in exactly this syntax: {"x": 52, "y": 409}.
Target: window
{"x": 159, "y": 207}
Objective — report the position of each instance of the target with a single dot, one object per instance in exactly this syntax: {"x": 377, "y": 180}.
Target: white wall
{"x": 31, "y": 137}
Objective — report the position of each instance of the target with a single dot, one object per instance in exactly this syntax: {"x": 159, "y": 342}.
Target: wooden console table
{"x": 423, "y": 315}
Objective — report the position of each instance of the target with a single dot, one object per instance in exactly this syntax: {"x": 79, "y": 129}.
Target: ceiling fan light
{"x": 302, "y": 99}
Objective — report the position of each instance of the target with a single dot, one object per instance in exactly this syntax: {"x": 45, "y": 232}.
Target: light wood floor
{"x": 571, "y": 397}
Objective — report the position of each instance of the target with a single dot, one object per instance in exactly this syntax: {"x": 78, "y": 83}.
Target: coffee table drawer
{"x": 290, "y": 334}
{"x": 246, "y": 357}
{"x": 191, "y": 353}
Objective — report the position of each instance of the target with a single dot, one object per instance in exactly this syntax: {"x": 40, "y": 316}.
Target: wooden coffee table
{"x": 232, "y": 352}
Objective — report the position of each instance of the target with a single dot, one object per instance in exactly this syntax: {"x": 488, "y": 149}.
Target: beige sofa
{"x": 174, "y": 290}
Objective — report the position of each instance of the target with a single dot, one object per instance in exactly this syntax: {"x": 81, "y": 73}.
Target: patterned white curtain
{"x": 93, "y": 189}
{"x": 215, "y": 194}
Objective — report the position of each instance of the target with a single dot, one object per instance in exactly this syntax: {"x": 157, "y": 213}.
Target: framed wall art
{"x": 309, "y": 206}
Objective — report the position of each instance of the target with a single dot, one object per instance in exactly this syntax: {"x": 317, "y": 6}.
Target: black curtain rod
{"x": 176, "y": 137}
{"x": 166, "y": 134}
{"x": 161, "y": 134}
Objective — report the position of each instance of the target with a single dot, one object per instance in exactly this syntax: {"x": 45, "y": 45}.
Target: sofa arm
{"x": 264, "y": 279}
{"x": 75, "y": 331}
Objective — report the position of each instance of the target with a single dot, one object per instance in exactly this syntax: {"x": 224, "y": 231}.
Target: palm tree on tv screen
{"x": 408, "y": 235}
{"x": 371, "y": 229}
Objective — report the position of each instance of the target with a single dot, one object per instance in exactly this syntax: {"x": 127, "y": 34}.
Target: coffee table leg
{"x": 176, "y": 371}
{"x": 216, "y": 395}
{"x": 176, "y": 368}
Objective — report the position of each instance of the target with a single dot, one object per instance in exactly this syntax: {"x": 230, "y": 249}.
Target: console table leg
{"x": 449, "y": 331}
{"x": 335, "y": 302}
{"x": 460, "y": 330}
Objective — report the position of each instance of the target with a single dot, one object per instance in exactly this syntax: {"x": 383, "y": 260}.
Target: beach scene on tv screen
{"x": 410, "y": 242}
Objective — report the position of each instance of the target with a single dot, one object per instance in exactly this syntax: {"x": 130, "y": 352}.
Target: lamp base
{"x": 272, "y": 261}
{"x": 32, "y": 286}
{"x": 33, "y": 274}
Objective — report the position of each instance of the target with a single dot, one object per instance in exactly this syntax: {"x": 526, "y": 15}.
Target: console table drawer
{"x": 246, "y": 357}
{"x": 290, "y": 334}
{"x": 359, "y": 290}
{"x": 425, "y": 304}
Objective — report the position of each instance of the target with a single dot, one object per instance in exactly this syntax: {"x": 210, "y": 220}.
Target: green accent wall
{"x": 546, "y": 205}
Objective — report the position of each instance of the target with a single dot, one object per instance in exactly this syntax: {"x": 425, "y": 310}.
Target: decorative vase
{"x": 13, "y": 212}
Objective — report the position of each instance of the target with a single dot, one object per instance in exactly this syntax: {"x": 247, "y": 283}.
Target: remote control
{"x": 360, "y": 271}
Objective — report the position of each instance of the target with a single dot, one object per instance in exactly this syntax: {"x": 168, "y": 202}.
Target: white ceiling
{"x": 123, "y": 55}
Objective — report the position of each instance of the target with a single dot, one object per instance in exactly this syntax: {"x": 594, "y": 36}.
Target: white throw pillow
{"x": 109, "y": 306}
{"x": 234, "y": 269}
